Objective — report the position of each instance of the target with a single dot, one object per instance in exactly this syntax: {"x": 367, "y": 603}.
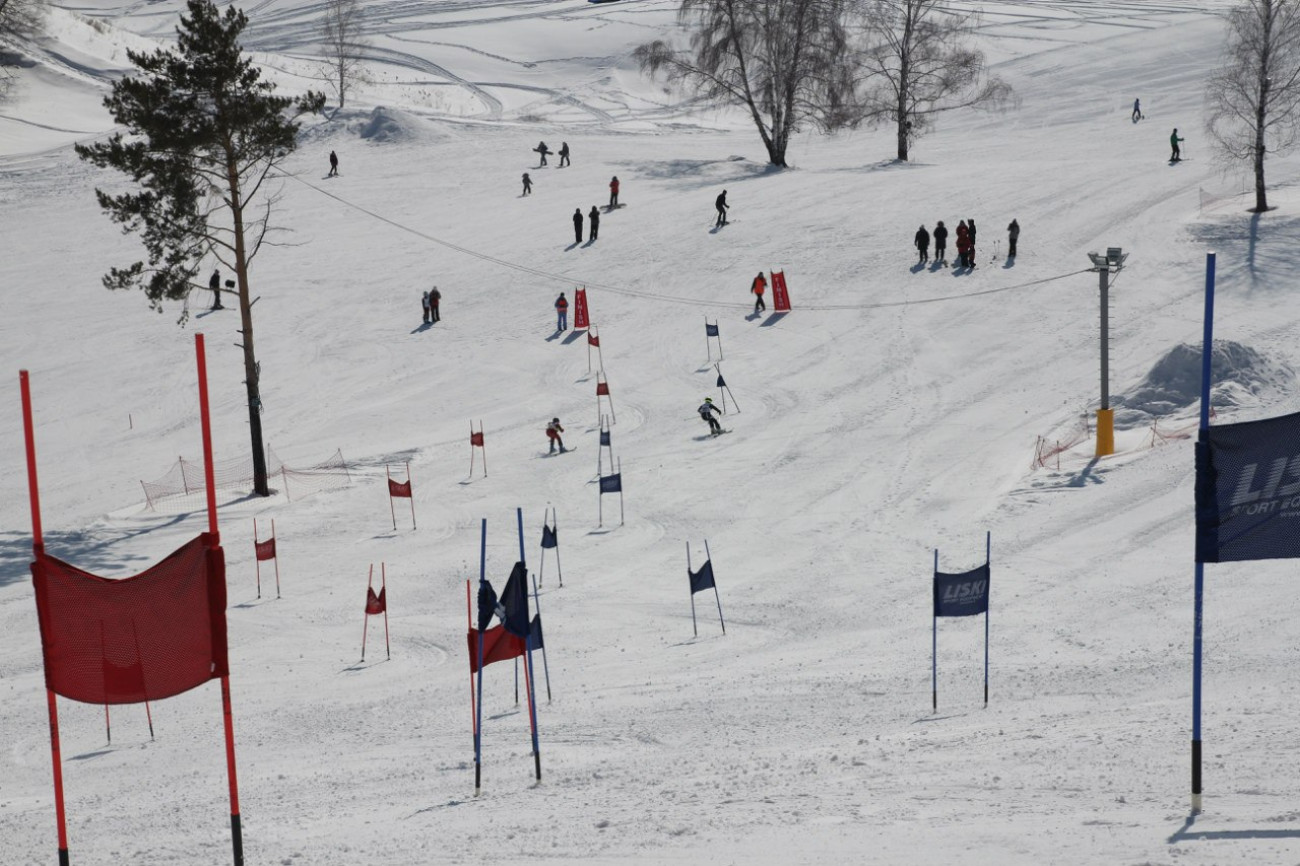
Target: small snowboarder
{"x": 613, "y": 193}
{"x": 594, "y": 219}
{"x": 562, "y": 313}
{"x": 1137, "y": 110}
{"x": 564, "y": 154}
{"x": 542, "y": 152}
{"x": 528, "y": 184}
{"x": 215, "y": 284}
{"x": 1013, "y": 235}
{"x": 553, "y": 431}
{"x": 940, "y": 243}
{"x": 707, "y": 411}
{"x": 970, "y": 257}
{"x": 424, "y": 302}
{"x": 757, "y": 288}
{"x": 1173, "y": 142}
{"x": 334, "y": 165}
{"x": 721, "y": 204}
{"x": 577, "y": 225}
{"x": 923, "y": 244}
{"x": 435, "y": 305}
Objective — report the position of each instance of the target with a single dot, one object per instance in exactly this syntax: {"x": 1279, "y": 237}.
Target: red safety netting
{"x": 184, "y": 486}
{"x": 141, "y": 638}
{"x": 264, "y": 549}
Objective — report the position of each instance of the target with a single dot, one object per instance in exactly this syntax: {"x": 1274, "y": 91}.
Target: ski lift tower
{"x": 1104, "y": 265}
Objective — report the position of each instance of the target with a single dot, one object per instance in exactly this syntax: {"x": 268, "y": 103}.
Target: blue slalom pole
{"x": 988, "y": 605}
{"x": 478, "y": 726}
{"x": 708, "y": 557}
{"x": 695, "y": 629}
{"x": 528, "y": 667}
{"x": 934, "y": 640}
{"x": 1207, "y": 352}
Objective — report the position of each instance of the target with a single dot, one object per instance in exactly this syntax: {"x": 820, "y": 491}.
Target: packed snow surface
{"x": 894, "y": 411}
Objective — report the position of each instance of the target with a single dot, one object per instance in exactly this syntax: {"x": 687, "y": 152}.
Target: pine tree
{"x": 203, "y": 134}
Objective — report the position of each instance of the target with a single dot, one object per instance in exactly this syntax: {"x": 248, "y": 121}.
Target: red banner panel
{"x": 400, "y": 490}
{"x": 780, "y": 294}
{"x": 265, "y": 549}
{"x": 498, "y": 645}
{"x": 580, "y": 319}
{"x": 602, "y": 389}
{"x": 476, "y": 438}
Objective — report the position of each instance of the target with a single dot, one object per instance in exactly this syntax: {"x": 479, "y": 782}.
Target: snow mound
{"x": 388, "y": 125}
{"x": 1242, "y": 377}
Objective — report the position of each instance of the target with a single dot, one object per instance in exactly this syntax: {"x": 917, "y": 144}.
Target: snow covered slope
{"x": 895, "y": 410}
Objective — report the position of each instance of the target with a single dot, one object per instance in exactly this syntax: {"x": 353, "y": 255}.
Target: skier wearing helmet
{"x": 707, "y": 411}
{"x": 553, "y": 431}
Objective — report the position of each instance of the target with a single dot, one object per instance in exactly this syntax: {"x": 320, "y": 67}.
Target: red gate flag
{"x": 265, "y": 549}
{"x": 593, "y": 340}
{"x": 376, "y": 604}
{"x": 602, "y": 389}
{"x": 401, "y": 490}
{"x": 580, "y": 319}
{"x": 142, "y": 638}
{"x": 780, "y": 295}
{"x": 476, "y": 438}
{"x": 498, "y": 645}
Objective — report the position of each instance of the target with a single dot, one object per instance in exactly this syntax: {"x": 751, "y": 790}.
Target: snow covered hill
{"x": 893, "y": 411}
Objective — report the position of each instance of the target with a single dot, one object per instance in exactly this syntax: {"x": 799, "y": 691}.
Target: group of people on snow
{"x": 431, "y": 302}
{"x": 543, "y": 151}
{"x": 966, "y": 231}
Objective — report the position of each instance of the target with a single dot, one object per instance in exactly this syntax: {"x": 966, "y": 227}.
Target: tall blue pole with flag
{"x": 528, "y": 646}
{"x": 1207, "y": 353}
{"x": 478, "y": 723}
{"x": 988, "y": 562}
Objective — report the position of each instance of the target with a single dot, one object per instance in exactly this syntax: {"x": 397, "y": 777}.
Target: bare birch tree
{"x": 344, "y": 46}
{"x": 1254, "y": 99}
{"x": 916, "y": 63}
{"x": 779, "y": 60}
{"x": 20, "y": 20}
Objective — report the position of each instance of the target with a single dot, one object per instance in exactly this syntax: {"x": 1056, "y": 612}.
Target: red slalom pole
{"x": 277, "y": 560}
{"x": 38, "y": 550}
{"x": 365, "y": 619}
{"x": 257, "y": 560}
{"x": 214, "y": 542}
{"x": 383, "y": 589}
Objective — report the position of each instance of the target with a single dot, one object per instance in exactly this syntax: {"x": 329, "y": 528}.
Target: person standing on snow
{"x": 424, "y": 303}
{"x": 564, "y": 154}
{"x": 594, "y": 219}
{"x": 528, "y": 184}
{"x": 922, "y": 242}
{"x": 940, "y": 243}
{"x": 1173, "y": 142}
{"x": 561, "y": 313}
{"x": 435, "y": 305}
{"x": 758, "y": 287}
{"x": 707, "y": 411}
{"x": 577, "y": 225}
{"x": 963, "y": 243}
{"x": 553, "y": 431}
{"x": 215, "y": 285}
{"x": 721, "y": 204}
{"x": 542, "y": 152}
{"x": 613, "y": 193}
{"x": 1013, "y": 235}
{"x": 1137, "y": 110}
{"x": 334, "y": 165}
{"x": 970, "y": 256}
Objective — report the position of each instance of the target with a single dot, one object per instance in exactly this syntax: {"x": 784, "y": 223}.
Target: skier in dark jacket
{"x": 940, "y": 243}
{"x": 707, "y": 411}
{"x": 594, "y": 219}
{"x": 1013, "y": 235}
{"x": 215, "y": 285}
{"x": 435, "y": 305}
{"x": 721, "y": 204}
{"x": 1173, "y": 142}
{"x": 542, "y": 152}
{"x": 923, "y": 244}
{"x": 561, "y": 313}
{"x": 1137, "y": 110}
{"x": 528, "y": 184}
{"x": 334, "y": 165}
{"x": 970, "y": 257}
{"x": 577, "y": 225}
{"x": 564, "y": 154}
{"x": 963, "y": 244}
{"x": 424, "y": 304}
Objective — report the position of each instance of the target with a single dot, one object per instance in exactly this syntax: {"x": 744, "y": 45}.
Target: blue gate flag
{"x": 702, "y": 579}
{"x": 604, "y": 437}
{"x": 514, "y": 602}
{"x": 535, "y": 631}
{"x": 611, "y": 483}
{"x": 1248, "y": 490}
{"x": 721, "y": 383}
{"x": 549, "y": 538}
{"x": 487, "y": 604}
{"x": 965, "y": 594}
{"x": 710, "y": 330}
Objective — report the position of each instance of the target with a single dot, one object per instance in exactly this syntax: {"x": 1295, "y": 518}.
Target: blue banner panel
{"x": 965, "y": 594}
{"x": 611, "y": 483}
{"x": 710, "y": 330}
{"x": 702, "y": 579}
{"x": 1248, "y": 491}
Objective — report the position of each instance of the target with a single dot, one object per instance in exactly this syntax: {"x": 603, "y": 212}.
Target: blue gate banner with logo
{"x": 1248, "y": 491}
{"x": 965, "y": 594}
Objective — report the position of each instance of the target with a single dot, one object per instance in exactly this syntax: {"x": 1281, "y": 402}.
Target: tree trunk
{"x": 1261, "y": 118}
{"x": 902, "y": 137}
{"x": 260, "y": 486}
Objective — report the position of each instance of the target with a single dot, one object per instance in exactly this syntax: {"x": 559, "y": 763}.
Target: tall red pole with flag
{"x": 476, "y": 441}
